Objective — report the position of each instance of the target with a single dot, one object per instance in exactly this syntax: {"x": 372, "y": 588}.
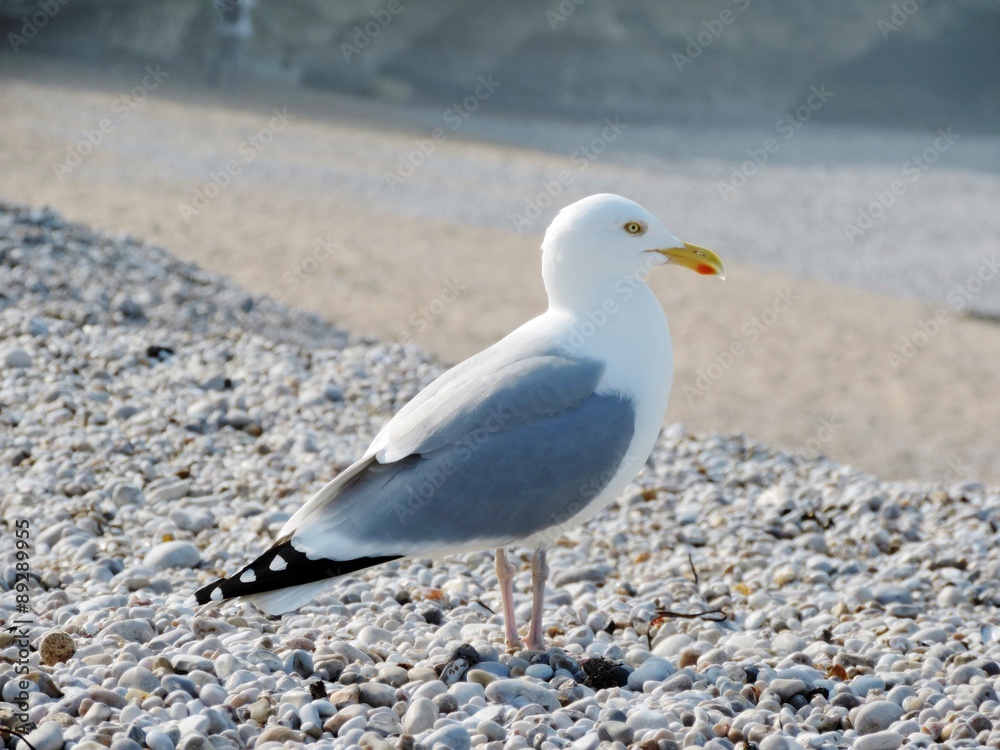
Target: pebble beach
{"x": 159, "y": 424}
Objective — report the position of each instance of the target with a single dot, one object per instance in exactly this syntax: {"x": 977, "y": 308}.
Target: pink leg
{"x": 505, "y": 577}
{"x": 539, "y": 574}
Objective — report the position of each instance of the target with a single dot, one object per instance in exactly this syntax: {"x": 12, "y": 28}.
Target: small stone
{"x": 167, "y": 493}
{"x": 616, "y": 731}
{"x": 539, "y": 672}
{"x": 197, "y": 724}
{"x": 261, "y": 711}
{"x": 688, "y": 657}
{"x": 38, "y": 327}
{"x": 577, "y": 574}
{"x": 372, "y": 739}
{"x": 787, "y": 643}
{"x": 453, "y": 737}
{"x": 203, "y": 626}
{"x": 137, "y": 631}
{"x": 446, "y": 703}
{"x": 345, "y": 695}
{"x": 139, "y": 678}
{"x": 862, "y": 684}
{"x": 55, "y": 647}
{"x": 892, "y": 594}
{"x": 927, "y": 636}
{"x": 787, "y": 688}
{"x": 877, "y": 716}
{"x": 184, "y": 663}
{"x": 678, "y": 683}
{"x": 394, "y": 675}
{"x": 845, "y": 700}
{"x": 128, "y": 306}
{"x": 481, "y": 677}
{"x": 492, "y": 731}
{"x": 908, "y": 611}
{"x": 106, "y": 697}
{"x": 157, "y": 739}
{"x": 672, "y": 645}
{"x": 647, "y": 719}
{"x": 988, "y": 666}
{"x": 172, "y": 555}
{"x": 123, "y": 412}
{"x": 371, "y": 635}
{"x": 964, "y": 674}
{"x": 453, "y": 671}
{"x": 276, "y": 733}
{"x": 45, "y": 684}
{"x": 298, "y": 662}
{"x": 351, "y": 654}
{"x": 172, "y": 682}
{"x": 97, "y": 713}
{"x": 887, "y": 740}
{"x": 16, "y": 359}
{"x": 376, "y": 695}
{"x": 494, "y": 668}
{"x": 465, "y": 692}
{"x": 433, "y": 616}
{"x": 48, "y": 736}
{"x": 654, "y": 669}
{"x": 217, "y": 382}
{"x": 518, "y": 693}
{"x": 777, "y": 741}
{"x": 784, "y": 575}
{"x": 420, "y": 716}
{"x": 127, "y": 494}
{"x": 13, "y": 688}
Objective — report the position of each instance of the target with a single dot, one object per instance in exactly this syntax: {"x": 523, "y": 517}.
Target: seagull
{"x": 513, "y": 446}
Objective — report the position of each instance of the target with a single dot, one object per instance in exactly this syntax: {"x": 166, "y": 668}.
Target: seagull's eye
{"x": 635, "y": 227}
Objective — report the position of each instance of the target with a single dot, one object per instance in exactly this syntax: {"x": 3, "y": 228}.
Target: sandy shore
{"x": 801, "y": 363}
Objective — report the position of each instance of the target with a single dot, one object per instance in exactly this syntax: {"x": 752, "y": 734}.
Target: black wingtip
{"x": 204, "y": 595}
{"x": 294, "y": 569}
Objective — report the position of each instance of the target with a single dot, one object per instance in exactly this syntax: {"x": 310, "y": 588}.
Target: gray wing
{"x": 496, "y": 453}
{"x": 495, "y": 396}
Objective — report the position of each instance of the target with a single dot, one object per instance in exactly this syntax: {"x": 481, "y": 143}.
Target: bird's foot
{"x": 534, "y": 644}
{"x": 514, "y": 644}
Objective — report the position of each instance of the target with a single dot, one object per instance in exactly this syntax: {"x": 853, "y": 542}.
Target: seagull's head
{"x": 607, "y": 237}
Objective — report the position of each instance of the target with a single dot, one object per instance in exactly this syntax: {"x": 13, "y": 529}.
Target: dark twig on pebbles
{"x": 711, "y": 615}
{"x": 11, "y": 732}
{"x": 694, "y": 571}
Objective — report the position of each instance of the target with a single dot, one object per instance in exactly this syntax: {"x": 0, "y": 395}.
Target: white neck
{"x": 579, "y": 287}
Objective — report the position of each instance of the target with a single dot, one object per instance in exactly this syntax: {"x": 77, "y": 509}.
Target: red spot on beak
{"x": 704, "y": 269}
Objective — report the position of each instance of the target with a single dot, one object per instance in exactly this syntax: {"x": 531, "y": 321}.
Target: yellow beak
{"x": 698, "y": 259}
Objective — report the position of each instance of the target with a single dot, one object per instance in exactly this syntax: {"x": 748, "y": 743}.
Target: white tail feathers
{"x": 285, "y": 600}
